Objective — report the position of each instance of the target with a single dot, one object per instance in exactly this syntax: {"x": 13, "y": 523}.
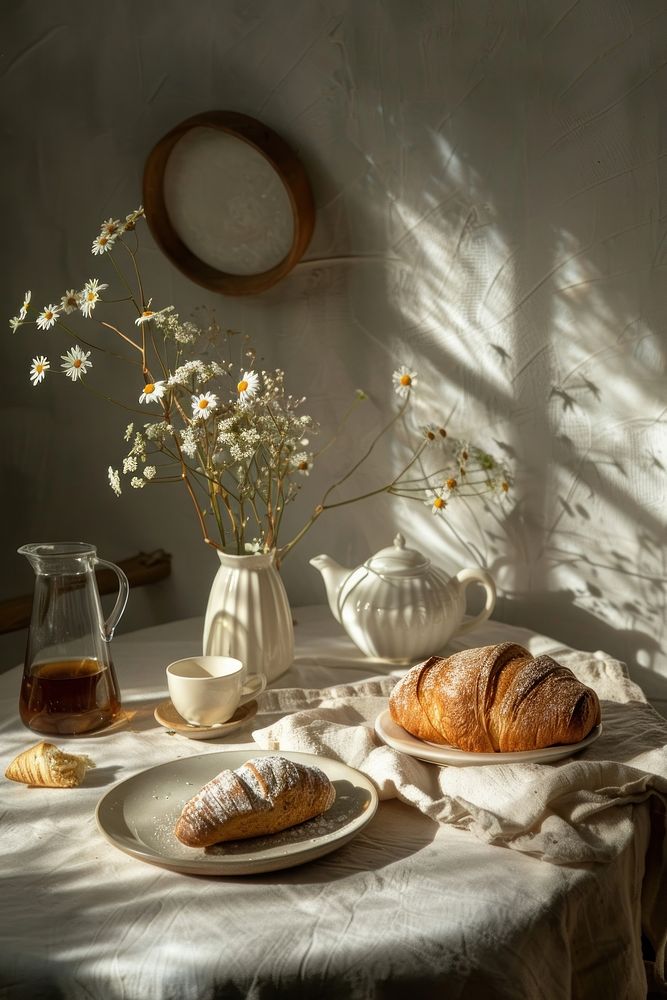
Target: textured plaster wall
{"x": 490, "y": 188}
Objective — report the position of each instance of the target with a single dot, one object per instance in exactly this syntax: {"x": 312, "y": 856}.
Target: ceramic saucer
{"x": 168, "y": 717}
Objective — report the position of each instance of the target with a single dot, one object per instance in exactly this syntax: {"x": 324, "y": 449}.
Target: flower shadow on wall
{"x": 535, "y": 344}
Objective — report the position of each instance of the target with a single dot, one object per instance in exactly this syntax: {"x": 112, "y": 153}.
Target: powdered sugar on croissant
{"x": 494, "y": 698}
{"x": 264, "y": 795}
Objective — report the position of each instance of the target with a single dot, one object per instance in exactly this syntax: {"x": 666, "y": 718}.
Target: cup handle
{"x": 123, "y": 590}
{"x": 252, "y": 688}
{"x": 475, "y": 575}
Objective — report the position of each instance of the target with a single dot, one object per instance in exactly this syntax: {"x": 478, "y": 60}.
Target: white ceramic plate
{"x": 397, "y": 738}
{"x": 138, "y": 816}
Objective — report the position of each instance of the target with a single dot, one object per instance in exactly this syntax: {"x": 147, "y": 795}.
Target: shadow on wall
{"x": 556, "y": 613}
{"x": 525, "y": 286}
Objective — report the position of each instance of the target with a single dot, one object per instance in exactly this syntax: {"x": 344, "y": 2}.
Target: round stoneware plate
{"x": 397, "y": 738}
{"x": 138, "y": 816}
{"x": 168, "y": 717}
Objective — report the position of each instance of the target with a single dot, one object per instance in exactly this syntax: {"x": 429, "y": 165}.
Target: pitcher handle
{"x": 475, "y": 575}
{"x": 109, "y": 625}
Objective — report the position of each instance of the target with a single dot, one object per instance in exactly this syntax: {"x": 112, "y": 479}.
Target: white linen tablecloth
{"x": 410, "y": 904}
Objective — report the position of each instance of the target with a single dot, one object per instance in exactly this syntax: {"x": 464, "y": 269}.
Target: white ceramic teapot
{"x": 399, "y": 607}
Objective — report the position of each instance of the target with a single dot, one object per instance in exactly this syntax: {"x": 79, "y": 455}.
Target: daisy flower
{"x": 436, "y": 501}
{"x": 149, "y": 314}
{"x": 76, "y": 363}
{"x": 110, "y": 227}
{"x": 102, "y": 243}
{"x": 70, "y": 301}
{"x": 248, "y": 386}
{"x": 38, "y": 369}
{"x": 90, "y": 295}
{"x": 302, "y": 463}
{"x": 47, "y": 317}
{"x": 23, "y": 311}
{"x": 404, "y": 380}
{"x": 153, "y": 391}
{"x": 203, "y": 406}
{"x": 434, "y": 433}
{"x": 131, "y": 219}
{"x": 15, "y": 323}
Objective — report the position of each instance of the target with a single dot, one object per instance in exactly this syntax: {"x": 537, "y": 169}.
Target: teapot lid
{"x": 396, "y": 560}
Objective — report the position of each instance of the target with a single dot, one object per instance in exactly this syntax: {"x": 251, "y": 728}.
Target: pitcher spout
{"x": 334, "y": 576}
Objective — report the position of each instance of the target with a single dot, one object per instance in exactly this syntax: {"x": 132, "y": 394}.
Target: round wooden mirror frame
{"x": 280, "y": 157}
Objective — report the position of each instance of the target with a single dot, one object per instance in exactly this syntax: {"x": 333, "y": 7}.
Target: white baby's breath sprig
{"x": 114, "y": 481}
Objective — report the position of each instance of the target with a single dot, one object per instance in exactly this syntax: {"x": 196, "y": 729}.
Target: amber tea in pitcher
{"x": 69, "y": 685}
{"x": 56, "y": 693}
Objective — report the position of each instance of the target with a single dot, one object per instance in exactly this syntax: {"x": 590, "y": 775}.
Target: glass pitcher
{"x": 69, "y": 685}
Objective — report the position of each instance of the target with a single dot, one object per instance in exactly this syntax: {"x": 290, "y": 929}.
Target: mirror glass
{"x": 227, "y": 203}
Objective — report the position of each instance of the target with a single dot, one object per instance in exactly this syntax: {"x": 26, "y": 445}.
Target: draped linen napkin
{"x": 579, "y": 809}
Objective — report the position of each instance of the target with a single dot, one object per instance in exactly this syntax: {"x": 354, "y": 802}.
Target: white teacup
{"x": 207, "y": 690}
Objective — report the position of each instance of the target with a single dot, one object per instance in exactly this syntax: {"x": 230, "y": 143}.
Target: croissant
{"x": 47, "y": 766}
{"x": 494, "y": 699}
{"x": 264, "y": 795}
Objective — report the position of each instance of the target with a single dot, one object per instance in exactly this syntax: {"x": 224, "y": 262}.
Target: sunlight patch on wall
{"x": 543, "y": 362}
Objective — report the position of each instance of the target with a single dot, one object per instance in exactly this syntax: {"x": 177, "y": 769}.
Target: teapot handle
{"x": 123, "y": 590}
{"x": 475, "y": 575}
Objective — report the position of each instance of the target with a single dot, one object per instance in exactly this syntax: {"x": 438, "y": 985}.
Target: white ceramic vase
{"x": 248, "y": 615}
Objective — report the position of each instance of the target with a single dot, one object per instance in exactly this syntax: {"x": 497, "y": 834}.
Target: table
{"x": 385, "y": 915}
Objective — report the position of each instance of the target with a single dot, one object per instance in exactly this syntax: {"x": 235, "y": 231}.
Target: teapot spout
{"x": 334, "y": 576}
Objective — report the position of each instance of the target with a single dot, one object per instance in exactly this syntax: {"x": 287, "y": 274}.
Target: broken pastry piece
{"x": 46, "y": 766}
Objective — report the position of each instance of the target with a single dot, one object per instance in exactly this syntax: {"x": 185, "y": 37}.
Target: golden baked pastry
{"x": 264, "y": 795}
{"x": 494, "y": 699}
{"x": 47, "y": 766}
